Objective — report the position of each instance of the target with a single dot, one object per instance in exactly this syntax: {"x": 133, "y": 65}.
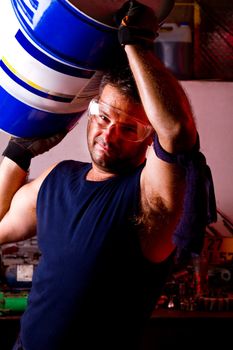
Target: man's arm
{"x": 17, "y": 202}
{"x": 164, "y": 100}
{"x": 162, "y": 183}
{"x": 169, "y": 112}
{"x": 18, "y": 198}
{"x": 12, "y": 177}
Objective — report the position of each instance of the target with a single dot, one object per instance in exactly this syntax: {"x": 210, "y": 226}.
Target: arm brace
{"x": 19, "y": 155}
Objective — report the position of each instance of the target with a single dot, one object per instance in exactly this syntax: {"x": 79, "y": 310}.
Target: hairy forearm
{"x": 12, "y": 177}
{"x": 164, "y": 100}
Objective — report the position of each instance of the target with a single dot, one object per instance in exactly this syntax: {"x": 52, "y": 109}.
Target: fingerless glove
{"x": 137, "y": 25}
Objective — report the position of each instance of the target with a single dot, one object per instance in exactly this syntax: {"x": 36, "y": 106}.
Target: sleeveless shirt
{"x": 92, "y": 286}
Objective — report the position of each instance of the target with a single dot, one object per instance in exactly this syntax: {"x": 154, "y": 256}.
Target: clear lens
{"x": 128, "y": 127}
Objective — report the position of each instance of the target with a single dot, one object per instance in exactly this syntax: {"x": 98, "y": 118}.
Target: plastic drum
{"x": 52, "y": 53}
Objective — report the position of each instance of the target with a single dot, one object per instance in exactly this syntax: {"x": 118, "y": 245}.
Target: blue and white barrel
{"x": 50, "y": 65}
{"x": 52, "y": 53}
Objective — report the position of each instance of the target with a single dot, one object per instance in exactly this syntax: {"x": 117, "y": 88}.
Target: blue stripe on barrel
{"x": 31, "y": 122}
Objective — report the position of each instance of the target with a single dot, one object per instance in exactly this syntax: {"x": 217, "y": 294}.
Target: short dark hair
{"x": 120, "y": 76}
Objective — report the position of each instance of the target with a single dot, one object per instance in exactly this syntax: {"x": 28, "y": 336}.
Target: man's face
{"x": 113, "y": 134}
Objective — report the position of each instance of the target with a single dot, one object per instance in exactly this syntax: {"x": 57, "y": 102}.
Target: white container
{"x": 174, "y": 48}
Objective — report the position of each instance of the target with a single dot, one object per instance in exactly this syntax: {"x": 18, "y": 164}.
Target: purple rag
{"x": 199, "y": 207}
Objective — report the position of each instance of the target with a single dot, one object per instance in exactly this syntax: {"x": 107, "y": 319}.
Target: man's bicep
{"x": 19, "y": 223}
{"x": 162, "y": 191}
{"x": 163, "y": 180}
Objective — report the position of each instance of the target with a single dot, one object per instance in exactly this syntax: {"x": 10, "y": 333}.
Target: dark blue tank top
{"x": 92, "y": 285}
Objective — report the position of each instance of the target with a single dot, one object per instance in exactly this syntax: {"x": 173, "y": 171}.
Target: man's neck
{"x": 96, "y": 174}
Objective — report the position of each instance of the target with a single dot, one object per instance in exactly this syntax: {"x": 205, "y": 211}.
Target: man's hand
{"x": 138, "y": 24}
{"x": 22, "y": 150}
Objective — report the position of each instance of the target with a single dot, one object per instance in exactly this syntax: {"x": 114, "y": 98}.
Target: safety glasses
{"x": 127, "y": 127}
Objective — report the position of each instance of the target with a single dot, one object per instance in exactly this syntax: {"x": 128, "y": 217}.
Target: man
{"x": 105, "y": 229}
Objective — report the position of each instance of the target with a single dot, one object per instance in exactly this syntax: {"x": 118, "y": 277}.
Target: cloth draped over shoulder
{"x": 199, "y": 206}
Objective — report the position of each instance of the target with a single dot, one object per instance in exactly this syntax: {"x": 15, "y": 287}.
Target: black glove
{"x": 137, "y": 24}
{"x": 22, "y": 150}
